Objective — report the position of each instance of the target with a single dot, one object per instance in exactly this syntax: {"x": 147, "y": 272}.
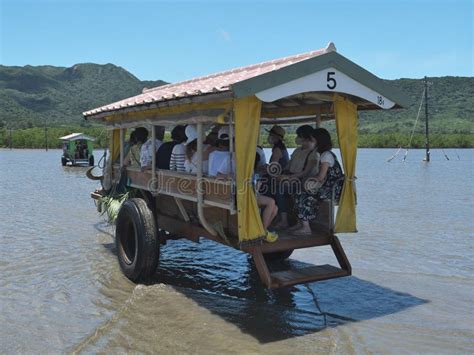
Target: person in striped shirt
{"x": 178, "y": 154}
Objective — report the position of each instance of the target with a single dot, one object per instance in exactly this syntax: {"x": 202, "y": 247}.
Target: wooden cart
{"x": 311, "y": 87}
{"x": 78, "y": 149}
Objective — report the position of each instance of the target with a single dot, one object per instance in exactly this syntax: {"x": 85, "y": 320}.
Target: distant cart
{"x": 78, "y": 149}
{"x": 307, "y": 88}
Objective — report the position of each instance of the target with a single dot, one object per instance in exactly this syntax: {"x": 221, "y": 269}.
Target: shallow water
{"x": 411, "y": 289}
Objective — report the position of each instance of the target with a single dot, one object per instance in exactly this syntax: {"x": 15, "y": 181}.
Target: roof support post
{"x": 200, "y": 184}
{"x": 231, "y": 141}
{"x": 153, "y": 154}
{"x": 122, "y": 144}
{"x": 318, "y": 116}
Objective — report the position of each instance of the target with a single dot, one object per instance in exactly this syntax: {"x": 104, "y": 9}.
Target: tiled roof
{"x": 214, "y": 83}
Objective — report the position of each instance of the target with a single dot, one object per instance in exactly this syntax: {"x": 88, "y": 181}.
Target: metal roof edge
{"x": 309, "y": 66}
{"x": 77, "y": 136}
{"x": 370, "y": 80}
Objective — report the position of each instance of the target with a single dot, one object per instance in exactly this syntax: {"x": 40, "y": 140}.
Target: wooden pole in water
{"x": 46, "y": 137}
{"x": 427, "y": 139}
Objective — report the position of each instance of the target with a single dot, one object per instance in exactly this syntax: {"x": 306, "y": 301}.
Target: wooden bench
{"x": 217, "y": 192}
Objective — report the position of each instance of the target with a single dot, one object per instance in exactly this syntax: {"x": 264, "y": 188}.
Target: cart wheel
{"x": 63, "y": 161}
{"x": 91, "y": 160}
{"x": 136, "y": 240}
{"x": 278, "y": 255}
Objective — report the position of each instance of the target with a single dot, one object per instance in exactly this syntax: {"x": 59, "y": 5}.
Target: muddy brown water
{"x": 411, "y": 290}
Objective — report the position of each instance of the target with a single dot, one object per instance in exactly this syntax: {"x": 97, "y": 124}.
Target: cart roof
{"x": 76, "y": 137}
{"x": 271, "y": 81}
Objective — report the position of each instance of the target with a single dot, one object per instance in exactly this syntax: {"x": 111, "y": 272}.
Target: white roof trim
{"x": 327, "y": 80}
{"x": 77, "y": 136}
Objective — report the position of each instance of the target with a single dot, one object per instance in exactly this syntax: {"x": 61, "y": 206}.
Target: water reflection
{"x": 225, "y": 282}
{"x": 62, "y": 288}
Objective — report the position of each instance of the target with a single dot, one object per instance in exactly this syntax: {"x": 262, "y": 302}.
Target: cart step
{"x": 300, "y": 275}
{"x": 307, "y": 274}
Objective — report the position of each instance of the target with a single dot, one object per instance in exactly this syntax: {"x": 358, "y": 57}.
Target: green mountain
{"x": 34, "y": 95}
{"x": 451, "y": 107}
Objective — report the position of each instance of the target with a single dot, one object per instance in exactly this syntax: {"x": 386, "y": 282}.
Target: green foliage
{"x": 437, "y": 140}
{"x": 34, "y": 96}
{"x": 394, "y": 140}
{"x": 111, "y": 205}
{"x": 35, "y": 137}
{"x": 38, "y": 95}
{"x": 451, "y": 108}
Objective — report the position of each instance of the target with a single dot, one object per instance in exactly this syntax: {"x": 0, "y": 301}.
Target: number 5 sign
{"x": 325, "y": 80}
{"x": 331, "y": 81}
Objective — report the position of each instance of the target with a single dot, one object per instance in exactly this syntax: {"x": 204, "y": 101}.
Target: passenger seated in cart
{"x": 211, "y": 138}
{"x": 178, "y": 155}
{"x": 191, "y": 158}
{"x": 132, "y": 140}
{"x": 304, "y": 163}
{"x": 170, "y": 155}
{"x": 80, "y": 149}
{"x": 146, "y": 150}
{"x": 85, "y": 151}
{"x": 128, "y": 144}
{"x": 137, "y": 138}
{"x": 221, "y": 163}
{"x": 278, "y": 160}
{"x": 276, "y": 137}
{"x": 330, "y": 176}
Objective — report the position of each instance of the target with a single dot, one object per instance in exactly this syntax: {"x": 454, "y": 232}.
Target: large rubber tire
{"x": 278, "y": 256}
{"x": 63, "y": 161}
{"x": 91, "y": 160}
{"x": 136, "y": 240}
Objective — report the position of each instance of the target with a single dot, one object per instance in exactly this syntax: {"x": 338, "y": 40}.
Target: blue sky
{"x": 179, "y": 40}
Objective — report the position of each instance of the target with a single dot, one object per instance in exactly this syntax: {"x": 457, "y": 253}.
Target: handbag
{"x": 309, "y": 184}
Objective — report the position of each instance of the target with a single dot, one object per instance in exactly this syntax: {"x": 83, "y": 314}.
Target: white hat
{"x": 191, "y": 133}
{"x": 223, "y": 133}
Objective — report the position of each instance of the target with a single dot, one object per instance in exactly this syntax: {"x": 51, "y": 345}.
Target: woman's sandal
{"x": 271, "y": 237}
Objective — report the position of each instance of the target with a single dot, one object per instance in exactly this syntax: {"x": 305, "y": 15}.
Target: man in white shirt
{"x": 221, "y": 163}
{"x": 146, "y": 153}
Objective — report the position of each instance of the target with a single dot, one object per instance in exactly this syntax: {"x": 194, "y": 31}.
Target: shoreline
{"x": 34, "y": 138}
{"x": 265, "y": 147}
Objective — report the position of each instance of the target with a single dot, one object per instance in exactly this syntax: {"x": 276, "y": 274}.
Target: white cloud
{"x": 225, "y": 35}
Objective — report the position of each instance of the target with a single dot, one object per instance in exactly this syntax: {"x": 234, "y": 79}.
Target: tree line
{"x": 36, "y": 138}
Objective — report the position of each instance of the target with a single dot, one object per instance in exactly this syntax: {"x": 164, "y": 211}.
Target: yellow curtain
{"x": 247, "y": 120}
{"x": 346, "y": 124}
{"x": 115, "y": 145}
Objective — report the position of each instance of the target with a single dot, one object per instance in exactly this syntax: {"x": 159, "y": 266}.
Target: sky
{"x": 179, "y": 40}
